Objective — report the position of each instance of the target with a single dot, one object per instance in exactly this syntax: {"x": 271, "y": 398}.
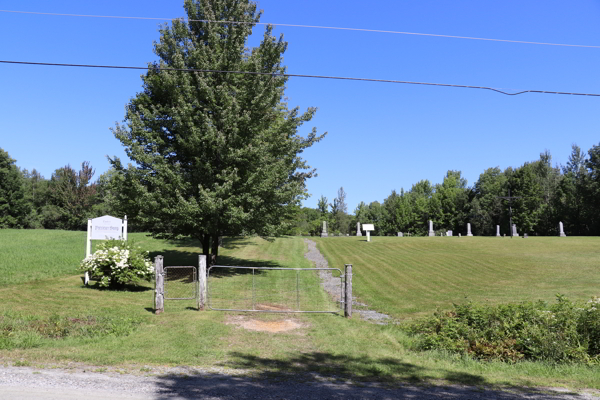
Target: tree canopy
{"x": 215, "y": 153}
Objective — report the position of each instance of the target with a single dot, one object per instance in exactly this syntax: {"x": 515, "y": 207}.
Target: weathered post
{"x": 159, "y": 290}
{"x": 201, "y": 281}
{"x": 348, "y": 291}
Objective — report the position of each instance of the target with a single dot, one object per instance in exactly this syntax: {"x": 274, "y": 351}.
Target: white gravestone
{"x": 324, "y": 231}
{"x": 431, "y": 232}
{"x": 449, "y": 233}
{"x": 368, "y": 228}
{"x": 514, "y": 230}
{"x": 497, "y": 230}
{"x": 358, "y": 232}
{"x": 400, "y": 234}
{"x": 469, "y": 229}
{"x": 561, "y": 231}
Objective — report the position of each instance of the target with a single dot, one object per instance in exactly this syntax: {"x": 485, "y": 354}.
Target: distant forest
{"x": 545, "y": 194}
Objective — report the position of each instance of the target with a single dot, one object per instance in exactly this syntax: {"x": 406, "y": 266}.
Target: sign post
{"x": 368, "y": 228}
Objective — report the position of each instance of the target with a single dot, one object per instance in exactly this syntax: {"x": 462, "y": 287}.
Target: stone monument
{"x": 358, "y": 231}
{"x": 498, "y": 230}
{"x": 514, "y": 230}
{"x": 561, "y": 231}
{"x": 400, "y": 234}
{"x": 449, "y": 233}
{"x": 431, "y": 232}
{"x": 324, "y": 230}
{"x": 469, "y": 229}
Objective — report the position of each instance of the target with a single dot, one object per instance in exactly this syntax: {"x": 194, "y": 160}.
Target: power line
{"x": 311, "y": 26}
{"x": 302, "y": 76}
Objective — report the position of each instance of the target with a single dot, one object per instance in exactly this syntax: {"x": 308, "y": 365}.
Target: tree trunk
{"x": 215, "y": 248}
{"x": 206, "y": 245}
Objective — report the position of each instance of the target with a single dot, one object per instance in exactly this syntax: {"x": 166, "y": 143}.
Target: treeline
{"x": 544, "y": 195}
{"x": 64, "y": 201}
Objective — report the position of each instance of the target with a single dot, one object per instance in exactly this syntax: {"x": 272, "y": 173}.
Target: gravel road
{"x": 24, "y": 383}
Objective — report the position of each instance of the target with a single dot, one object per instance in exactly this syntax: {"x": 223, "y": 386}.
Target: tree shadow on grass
{"x": 122, "y": 288}
{"x": 327, "y": 376}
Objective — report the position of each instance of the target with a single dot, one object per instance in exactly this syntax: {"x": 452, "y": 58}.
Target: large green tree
{"x": 13, "y": 204}
{"x": 215, "y": 153}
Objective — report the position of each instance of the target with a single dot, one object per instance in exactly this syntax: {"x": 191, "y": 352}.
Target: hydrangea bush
{"x": 116, "y": 263}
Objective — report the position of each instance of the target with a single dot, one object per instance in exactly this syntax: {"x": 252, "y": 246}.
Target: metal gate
{"x": 273, "y": 290}
{"x": 181, "y": 283}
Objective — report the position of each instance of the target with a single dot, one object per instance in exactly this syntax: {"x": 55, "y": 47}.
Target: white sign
{"x": 106, "y": 227}
{"x": 368, "y": 227}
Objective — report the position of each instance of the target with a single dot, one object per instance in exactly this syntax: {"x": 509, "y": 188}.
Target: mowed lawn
{"x": 44, "y": 287}
{"x": 410, "y": 276}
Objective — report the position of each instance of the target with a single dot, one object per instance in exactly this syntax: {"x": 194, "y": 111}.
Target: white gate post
{"x": 348, "y": 291}
{"x": 201, "y": 281}
{"x": 159, "y": 291}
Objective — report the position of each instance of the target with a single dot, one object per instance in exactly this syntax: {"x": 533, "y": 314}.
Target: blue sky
{"x": 380, "y": 136}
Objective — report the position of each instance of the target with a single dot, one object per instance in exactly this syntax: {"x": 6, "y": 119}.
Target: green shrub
{"x": 562, "y": 332}
{"x": 117, "y": 263}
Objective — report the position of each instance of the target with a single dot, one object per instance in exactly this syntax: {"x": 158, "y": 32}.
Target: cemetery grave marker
{"x": 431, "y": 232}
{"x": 561, "y": 232}
{"x": 469, "y": 229}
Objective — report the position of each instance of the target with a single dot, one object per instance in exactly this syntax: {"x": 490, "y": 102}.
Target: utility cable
{"x": 302, "y": 76}
{"x": 310, "y": 26}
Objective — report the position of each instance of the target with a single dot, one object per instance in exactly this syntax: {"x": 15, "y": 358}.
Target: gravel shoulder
{"x": 191, "y": 383}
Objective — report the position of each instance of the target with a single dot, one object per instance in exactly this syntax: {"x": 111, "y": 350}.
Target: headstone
{"x": 561, "y": 231}
{"x": 449, "y": 233}
{"x": 514, "y": 230}
{"x": 525, "y": 236}
{"x": 497, "y": 230}
{"x": 347, "y": 234}
{"x": 431, "y": 232}
{"x": 459, "y": 235}
{"x": 400, "y": 234}
{"x": 469, "y": 229}
{"x": 358, "y": 231}
{"x": 324, "y": 230}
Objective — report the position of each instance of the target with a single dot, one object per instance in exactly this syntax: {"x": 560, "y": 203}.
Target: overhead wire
{"x": 310, "y": 26}
{"x": 502, "y": 91}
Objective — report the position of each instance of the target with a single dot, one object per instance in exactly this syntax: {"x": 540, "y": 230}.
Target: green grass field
{"x": 407, "y": 277}
{"x": 400, "y": 276}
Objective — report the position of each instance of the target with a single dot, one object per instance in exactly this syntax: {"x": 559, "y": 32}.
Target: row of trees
{"x": 544, "y": 195}
{"x": 65, "y": 201}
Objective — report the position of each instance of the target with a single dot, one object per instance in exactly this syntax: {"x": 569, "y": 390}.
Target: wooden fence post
{"x": 201, "y": 282}
{"x": 348, "y": 291}
{"x": 159, "y": 290}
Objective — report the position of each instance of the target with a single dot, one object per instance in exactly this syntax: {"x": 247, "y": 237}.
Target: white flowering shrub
{"x": 116, "y": 263}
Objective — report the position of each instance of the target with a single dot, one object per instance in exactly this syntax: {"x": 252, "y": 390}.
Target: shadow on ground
{"x": 327, "y": 376}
